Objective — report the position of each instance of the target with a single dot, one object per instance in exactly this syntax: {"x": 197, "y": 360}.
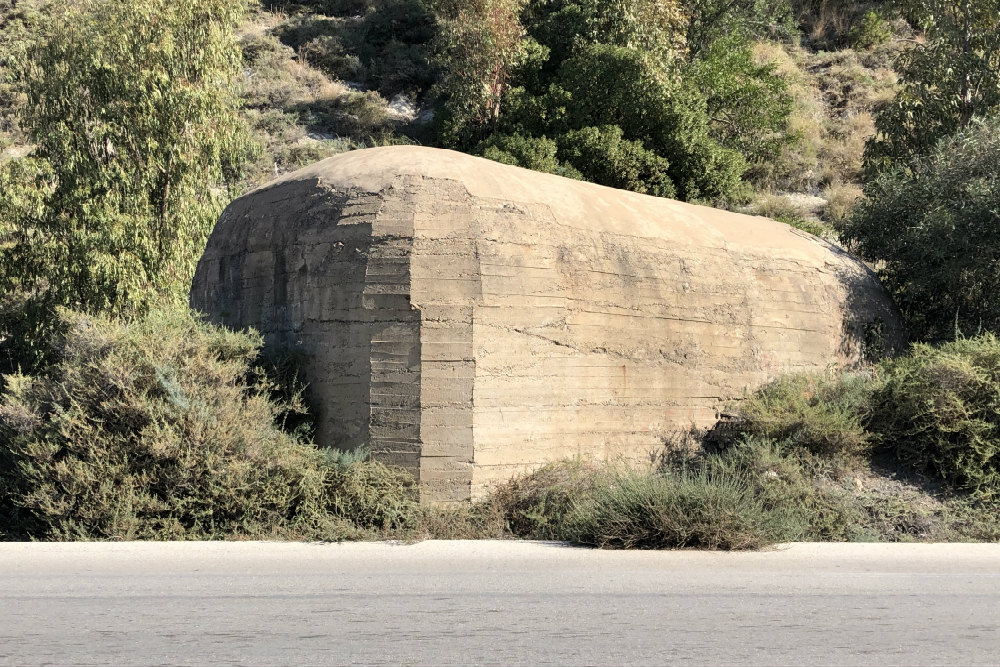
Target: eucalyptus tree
{"x": 132, "y": 109}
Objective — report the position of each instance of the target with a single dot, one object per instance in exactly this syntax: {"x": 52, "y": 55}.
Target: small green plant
{"x": 871, "y": 31}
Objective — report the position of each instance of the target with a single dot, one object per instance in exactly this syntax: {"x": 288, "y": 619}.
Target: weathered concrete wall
{"x": 470, "y": 320}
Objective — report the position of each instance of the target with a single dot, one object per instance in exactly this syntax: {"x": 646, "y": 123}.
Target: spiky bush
{"x": 820, "y": 412}
{"x": 939, "y": 410}
{"x": 535, "y": 506}
{"x": 806, "y": 486}
{"x": 158, "y": 429}
{"x": 369, "y": 494}
{"x": 692, "y": 508}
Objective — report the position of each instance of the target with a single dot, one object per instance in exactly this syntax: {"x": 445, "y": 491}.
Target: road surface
{"x": 496, "y": 603}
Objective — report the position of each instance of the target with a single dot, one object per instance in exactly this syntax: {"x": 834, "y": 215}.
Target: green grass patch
{"x": 691, "y": 508}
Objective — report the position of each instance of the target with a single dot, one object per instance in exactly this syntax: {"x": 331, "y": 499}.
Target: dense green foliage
{"x": 160, "y": 429}
{"x": 939, "y": 408}
{"x": 608, "y": 158}
{"x": 132, "y": 111}
{"x": 614, "y": 88}
{"x": 947, "y": 80}
{"x": 747, "y": 103}
{"x": 933, "y": 231}
{"x": 929, "y": 220}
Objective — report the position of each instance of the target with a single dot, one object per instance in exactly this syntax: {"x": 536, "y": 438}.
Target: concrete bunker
{"x": 470, "y": 320}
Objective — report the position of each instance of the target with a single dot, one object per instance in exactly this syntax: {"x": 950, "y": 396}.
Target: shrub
{"x": 786, "y": 477}
{"x": 157, "y": 429}
{"x": 828, "y": 24}
{"x": 353, "y": 114}
{"x": 787, "y": 211}
{"x": 537, "y": 153}
{"x": 327, "y": 53}
{"x": 370, "y": 494}
{"x": 934, "y": 232}
{"x": 601, "y": 81}
{"x": 612, "y": 85}
{"x": 691, "y": 508}
{"x": 276, "y": 123}
{"x": 394, "y": 45}
{"x": 400, "y": 68}
{"x": 840, "y": 201}
{"x": 299, "y": 31}
{"x": 939, "y": 411}
{"x": 383, "y": 44}
{"x": 536, "y": 505}
{"x": 603, "y": 156}
{"x": 822, "y": 413}
{"x": 870, "y": 32}
{"x": 318, "y": 40}
{"x": 342, "y": 7}
{"x": 277, "y": 80}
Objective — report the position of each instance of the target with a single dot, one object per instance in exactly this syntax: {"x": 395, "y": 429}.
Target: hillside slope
{"x": 360, "y": 74}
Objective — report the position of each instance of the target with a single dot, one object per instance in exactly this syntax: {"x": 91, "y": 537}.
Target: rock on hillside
{"x": 470, "y": 320}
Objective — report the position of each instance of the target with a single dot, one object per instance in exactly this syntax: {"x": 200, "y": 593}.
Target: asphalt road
{"x": 496, "y": 603}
